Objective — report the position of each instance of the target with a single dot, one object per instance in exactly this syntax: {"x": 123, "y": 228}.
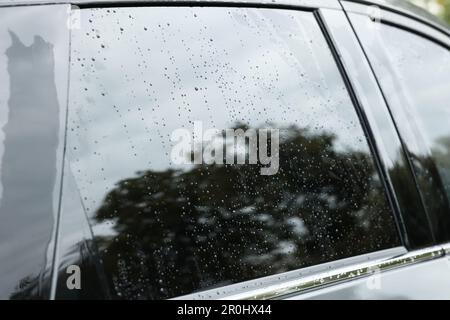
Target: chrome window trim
{"x": 446, "y": 248}
{"x": 234, "y": 291}
{"x": 341, "y": 275}
{"x": 335, "y": 276}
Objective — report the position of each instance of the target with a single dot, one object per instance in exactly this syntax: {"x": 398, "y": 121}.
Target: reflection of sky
{"x": 428, "y": 94}
{"x": 139, "y": 74}
{"x": 22, "y": 249}
{"x": 12, "y": 19}
{"x": 417, "y": 95}
{"x": 416, "y": 81}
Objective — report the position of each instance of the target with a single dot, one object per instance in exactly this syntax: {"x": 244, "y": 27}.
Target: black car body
{"x": 94, "y": 207}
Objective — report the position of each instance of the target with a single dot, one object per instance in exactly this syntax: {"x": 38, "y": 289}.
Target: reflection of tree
{"x": 178, "y": 232}
{"x": 28, "y": 288}
{"x": 441, "y": 156}
{"x": 446, "y": 12}
{"x": 408, "y": 196}
{"x": 430, "y": 5}
{"x": 430, "y": 173}
{"x": 93, "y": 284}
{"x": 442, "y": 151}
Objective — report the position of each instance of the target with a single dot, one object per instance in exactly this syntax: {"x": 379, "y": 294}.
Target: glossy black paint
{"x": 33, "y": 107}
{"x": 418, "y": 99}
{"x": 412, "y": 219}
{"x": 77, "y": 237}
{"x": 76, "y": 247}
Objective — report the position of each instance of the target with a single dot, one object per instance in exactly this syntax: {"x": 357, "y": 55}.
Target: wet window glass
{"x": 415, "y": 77}
{"x": 209, "y": 146}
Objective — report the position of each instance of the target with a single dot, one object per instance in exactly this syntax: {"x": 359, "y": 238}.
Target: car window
{"x": 210, "y": 146}
{"x": 415, "y": 78}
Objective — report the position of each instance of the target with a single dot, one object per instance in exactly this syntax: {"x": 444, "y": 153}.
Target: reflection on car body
{"x": 90, "y": 185}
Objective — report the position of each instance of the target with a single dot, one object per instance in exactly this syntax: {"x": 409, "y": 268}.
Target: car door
{"x": 207, "y": 226}
{"x": 261, "y": 163}
{"x": 34, "y": 55}
{"x": 410, "y": 61}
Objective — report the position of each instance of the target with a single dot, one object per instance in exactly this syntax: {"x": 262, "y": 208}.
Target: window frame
{"x": 40, "y": 284}
{"x": 405, "y": 21}
{"x": 428, "y": 31}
